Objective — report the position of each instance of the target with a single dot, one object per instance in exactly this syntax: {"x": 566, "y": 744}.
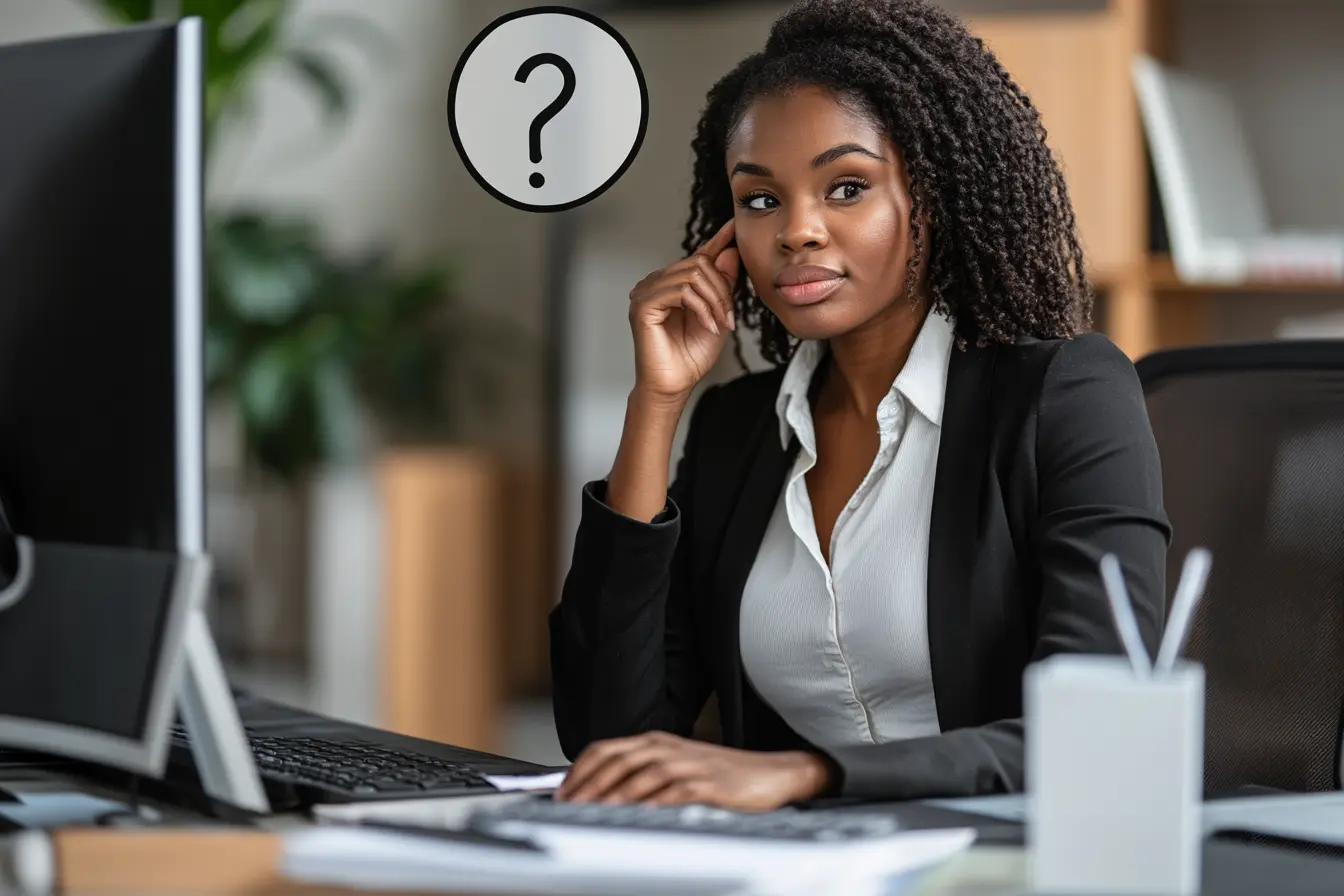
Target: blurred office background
{"x": 388, "y": 552}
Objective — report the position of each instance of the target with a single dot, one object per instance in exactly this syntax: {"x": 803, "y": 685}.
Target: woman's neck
{"x": 866, "y": 360}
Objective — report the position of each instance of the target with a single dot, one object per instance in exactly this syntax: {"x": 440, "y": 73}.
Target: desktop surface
{"x": 140, "y": 861}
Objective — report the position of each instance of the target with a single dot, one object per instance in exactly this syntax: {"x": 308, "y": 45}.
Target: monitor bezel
{"x": 147, "y": 753}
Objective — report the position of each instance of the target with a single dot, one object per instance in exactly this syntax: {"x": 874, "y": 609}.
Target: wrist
{"x": 814, "y": 775}
{"x": 669, "y": 404}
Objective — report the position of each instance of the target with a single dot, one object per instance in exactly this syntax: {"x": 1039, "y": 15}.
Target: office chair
{"x": 1252, "y": 445}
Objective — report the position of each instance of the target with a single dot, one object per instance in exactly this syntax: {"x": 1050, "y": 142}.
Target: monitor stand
{"x": 218, "y": 743}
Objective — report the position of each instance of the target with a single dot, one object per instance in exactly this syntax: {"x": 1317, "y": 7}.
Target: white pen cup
{"x": 1114, "y": 776}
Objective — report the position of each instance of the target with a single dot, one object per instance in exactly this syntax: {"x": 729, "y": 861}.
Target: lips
{"x": 807, "y": 284}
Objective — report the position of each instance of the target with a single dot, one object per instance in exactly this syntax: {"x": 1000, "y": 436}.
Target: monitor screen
{"x": 88, "y": 435}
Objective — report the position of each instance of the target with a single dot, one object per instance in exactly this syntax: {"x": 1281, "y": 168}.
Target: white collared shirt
{"x": 842, "y": 653}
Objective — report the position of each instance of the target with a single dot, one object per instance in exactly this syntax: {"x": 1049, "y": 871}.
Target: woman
{"x": 864, "y": 547}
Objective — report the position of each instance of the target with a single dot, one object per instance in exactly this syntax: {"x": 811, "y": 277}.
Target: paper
{"x": 527, "y": 782}
{"x": 766, "y": 866}
{"x": 592, "y": 860}
{"x": 1005, "y": 806}
{"x": 1313, "y": 817}
{"x": 378, "y": 860}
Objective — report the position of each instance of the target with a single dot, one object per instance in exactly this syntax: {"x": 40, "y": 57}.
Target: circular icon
{"x": 548, "y": 108}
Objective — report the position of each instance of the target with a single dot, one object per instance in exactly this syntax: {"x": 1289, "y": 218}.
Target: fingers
{"x": 711, "y": 282}
{"x": 614, "y": 769}
{"x": 706, "y": 311}
{"x": 679, "y": 793}
{"x": 729, "y": 264}
{"x": 631, "y": 767}
{"x": 589, "y": 761}
{"x": 658, "y": 774}
{"x": 684, "y": 295}
{"x": 700, "y": 284}
{"x": 719, "y": 241}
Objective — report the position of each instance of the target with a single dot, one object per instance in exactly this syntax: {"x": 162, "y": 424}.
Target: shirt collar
{"x": 922, "y": 381}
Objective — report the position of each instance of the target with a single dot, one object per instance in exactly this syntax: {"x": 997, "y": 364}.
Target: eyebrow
{"x": 825, "y": 158}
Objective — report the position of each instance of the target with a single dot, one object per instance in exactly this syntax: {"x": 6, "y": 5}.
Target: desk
{"x": 201, "y": 856}
{"x": 246, "y": 863}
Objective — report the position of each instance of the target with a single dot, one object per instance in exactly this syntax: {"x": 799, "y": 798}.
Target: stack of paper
{"x": 1309, "y": 817}
{"x": 581, "y": 860}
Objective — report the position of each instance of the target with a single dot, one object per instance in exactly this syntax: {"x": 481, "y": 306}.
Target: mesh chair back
{"x": 1252, "y": 444}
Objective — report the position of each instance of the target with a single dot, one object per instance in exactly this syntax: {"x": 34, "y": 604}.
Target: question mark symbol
{"x": 534, "y": 133}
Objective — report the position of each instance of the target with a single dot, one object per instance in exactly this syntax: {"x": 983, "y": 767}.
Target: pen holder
{"x": 1114, "y": 774}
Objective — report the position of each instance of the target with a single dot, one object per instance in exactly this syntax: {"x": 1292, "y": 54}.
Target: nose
{"x": 801, "y": 228}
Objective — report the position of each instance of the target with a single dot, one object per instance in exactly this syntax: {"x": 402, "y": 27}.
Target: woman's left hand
{"x": 663, "y": 769}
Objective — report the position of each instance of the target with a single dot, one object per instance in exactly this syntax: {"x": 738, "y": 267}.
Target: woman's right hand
{"x": 680, "y": 317}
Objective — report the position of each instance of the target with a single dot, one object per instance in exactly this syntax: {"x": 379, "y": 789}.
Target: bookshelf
{"x": 1075, "y": 63}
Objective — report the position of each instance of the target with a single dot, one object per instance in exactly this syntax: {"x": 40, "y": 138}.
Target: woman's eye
{"x": 847, "y": 191}
{"x": 758, "y": 203}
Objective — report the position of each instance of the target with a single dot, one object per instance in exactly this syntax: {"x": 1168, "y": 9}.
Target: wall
{"x": 37, "y": 19}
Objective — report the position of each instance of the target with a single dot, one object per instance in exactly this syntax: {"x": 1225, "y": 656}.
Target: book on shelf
{"x": 1210, "y": 190}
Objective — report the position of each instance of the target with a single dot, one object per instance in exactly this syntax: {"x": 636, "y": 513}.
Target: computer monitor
{"x": 102, "y": 628}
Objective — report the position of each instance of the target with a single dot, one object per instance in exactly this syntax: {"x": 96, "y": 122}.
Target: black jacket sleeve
{"x": 624, "y": 657}
{"x": 1100, "y": 491}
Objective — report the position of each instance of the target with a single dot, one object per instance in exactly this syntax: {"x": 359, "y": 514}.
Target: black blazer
{"x": 1046, "y": 462}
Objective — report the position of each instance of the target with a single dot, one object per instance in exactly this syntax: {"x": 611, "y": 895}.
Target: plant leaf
{"x": 265, "y": 270}
{"x": 126, "y": 10}
{"x": 267, "y": 388}
{"x": 322, "y": 78}
{"x": 242, "y": 41}
{"x": 217, "y": 11}
{"x": 219, "y": 356}
{"x": 379, "y": 47}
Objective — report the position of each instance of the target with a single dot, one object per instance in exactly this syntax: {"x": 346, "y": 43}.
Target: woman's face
{"x": 822, "y": 212}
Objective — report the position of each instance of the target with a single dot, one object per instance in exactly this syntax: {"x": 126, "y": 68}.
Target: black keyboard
{"x": 793, "y": 825}
{"x": 350, "y": 769}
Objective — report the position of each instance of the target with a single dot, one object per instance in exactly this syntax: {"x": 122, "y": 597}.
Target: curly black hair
{"x": 1003, "y": 254}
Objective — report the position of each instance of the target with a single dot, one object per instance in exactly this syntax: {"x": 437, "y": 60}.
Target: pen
{"x": 1194, "y": 576}
{"x": 1125, "y": 623}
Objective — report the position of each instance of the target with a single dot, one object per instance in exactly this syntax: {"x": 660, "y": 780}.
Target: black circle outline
{"x": 591, "y": 19}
